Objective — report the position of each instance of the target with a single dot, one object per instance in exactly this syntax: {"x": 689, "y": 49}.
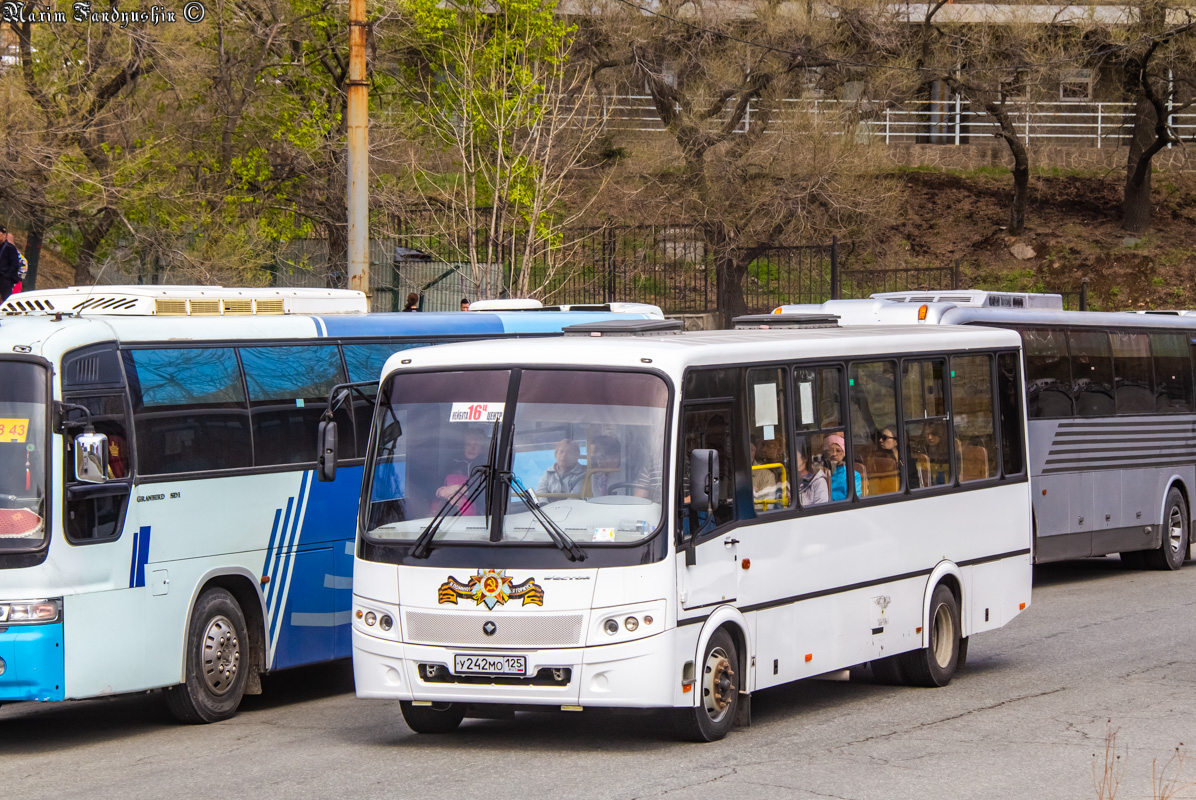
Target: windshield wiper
{"x": 558, "y": 536}
{"x": 479, "y": 479}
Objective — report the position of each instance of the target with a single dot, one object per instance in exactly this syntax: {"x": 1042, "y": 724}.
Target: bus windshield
{"x": 22, "y": 455}
{"x": 585, "y": 455}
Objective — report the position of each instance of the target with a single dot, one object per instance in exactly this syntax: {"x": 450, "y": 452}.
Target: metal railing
{"x": 949, "y": 121}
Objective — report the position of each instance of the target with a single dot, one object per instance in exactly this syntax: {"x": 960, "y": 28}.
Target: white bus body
{"x": 209, "y": 520}
{"x": 1111, "y": 414}
{"x": 489, "y": 611}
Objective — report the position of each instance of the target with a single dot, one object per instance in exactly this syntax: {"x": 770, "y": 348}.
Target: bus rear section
{"x": 658, "y": 521}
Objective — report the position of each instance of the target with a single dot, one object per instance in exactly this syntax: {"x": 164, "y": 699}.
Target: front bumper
{"x": 33, "y": 662}
{"x": 635, "y": 674}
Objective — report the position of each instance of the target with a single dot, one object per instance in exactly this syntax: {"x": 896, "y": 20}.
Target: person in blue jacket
{"x": 836, "y": 455}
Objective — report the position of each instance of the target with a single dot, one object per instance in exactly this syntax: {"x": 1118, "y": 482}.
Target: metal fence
{"x": 951, "y": 121}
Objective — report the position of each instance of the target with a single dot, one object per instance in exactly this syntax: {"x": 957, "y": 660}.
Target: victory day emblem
{"x": 492, "y": 587}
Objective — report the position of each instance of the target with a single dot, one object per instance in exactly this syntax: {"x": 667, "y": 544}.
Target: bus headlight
{"x": 624, "y": 623}
{"x": 30, "y": 612}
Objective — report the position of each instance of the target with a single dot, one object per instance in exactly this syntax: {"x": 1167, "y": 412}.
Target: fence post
{"x": 835, "y": 288}
{"x": 1084, "y": 294}
{"x": 1099, "y": 106}
{"x": 958, "y": 116}
{"x": 1170, "y": 103}
{"x": 955, "y": 276}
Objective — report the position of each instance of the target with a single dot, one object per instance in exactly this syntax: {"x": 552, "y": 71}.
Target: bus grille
{"x": 533, "y": 630}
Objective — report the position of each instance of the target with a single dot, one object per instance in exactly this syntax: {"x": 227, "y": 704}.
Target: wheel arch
{"x": 948, "y": 574}
{"x": 736, "y": 625}
{"x": 243, "y": 586}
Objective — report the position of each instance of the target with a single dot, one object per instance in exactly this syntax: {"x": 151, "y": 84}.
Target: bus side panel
{"x": 996, "y": 592}
{"x": 105, "y": 642}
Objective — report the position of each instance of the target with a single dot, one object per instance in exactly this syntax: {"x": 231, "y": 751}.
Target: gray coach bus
{"x": 1111, "y": 418}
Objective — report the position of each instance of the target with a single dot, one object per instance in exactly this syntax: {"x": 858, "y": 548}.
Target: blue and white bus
{"x": 1111, "y": 411}
{"x": 160, "y": 526}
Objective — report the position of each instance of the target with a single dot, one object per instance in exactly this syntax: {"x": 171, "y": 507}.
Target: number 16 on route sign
{"x": 476, "y": 412}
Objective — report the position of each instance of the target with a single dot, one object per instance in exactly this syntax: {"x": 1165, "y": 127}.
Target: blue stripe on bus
{"x": 413, "y": 324}
{"x": 141, "y": 542}
{"x": 274, "y": 554}
{"x": 277, "y": 613}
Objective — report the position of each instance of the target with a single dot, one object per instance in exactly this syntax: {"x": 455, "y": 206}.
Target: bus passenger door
{"x": 711, "y": 579}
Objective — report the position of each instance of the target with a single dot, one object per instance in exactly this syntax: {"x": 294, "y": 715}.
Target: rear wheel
{"x": 718, "y": 686}
{"x": 217, "y": 652}
{"x": 935, "y": 665}
{"x": 436, "y": 718}
{"x": 1173, "y": 549}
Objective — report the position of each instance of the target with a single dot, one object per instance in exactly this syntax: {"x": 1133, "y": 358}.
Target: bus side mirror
{"x": 91, "y": 457}
{"x": 326, "y": 460}
{"x": 703, "y": 480}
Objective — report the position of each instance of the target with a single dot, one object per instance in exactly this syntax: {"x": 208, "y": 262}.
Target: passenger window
{"x": 1173, "y": 372}
{"x": 288, "y": 392}
{"x": 820, "y": 450}
{"x": 772, "y": 479}
{"x": 1048, "y": 374}
{"x": 1133, "y": 373}
{"x": 972, "y": 412}
{"x": 1092, "y": 373}
{"x": 872, "y": 388}
{"x": 1010, "y": 399}
{"x": 927, "y": 429}
{"x": 708, "y": 427}
{"x": 189, "y": 411}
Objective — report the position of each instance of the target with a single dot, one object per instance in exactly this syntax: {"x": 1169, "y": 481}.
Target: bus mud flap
{"x": 743, "y": 710}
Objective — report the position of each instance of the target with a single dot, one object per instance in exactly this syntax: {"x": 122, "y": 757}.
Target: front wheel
{"x": 1173, "y": 549}
{"x": 217, "y": 650}
{"x": 437, "y": 718}
{"x": 936, "y": 664}
{"x": 718, "y": 686}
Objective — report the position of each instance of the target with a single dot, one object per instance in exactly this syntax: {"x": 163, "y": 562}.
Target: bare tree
{"x": 1156, "y": 53}
{"x": 752, "y": 168}
{"x": 1001, "y": 67}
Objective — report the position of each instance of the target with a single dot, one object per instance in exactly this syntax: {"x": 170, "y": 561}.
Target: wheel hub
{"x": 1175, "y": 530}
{"x": 943, "y": 634}
{"x": 221, "y": 655}
{"x": 719, "y": 685}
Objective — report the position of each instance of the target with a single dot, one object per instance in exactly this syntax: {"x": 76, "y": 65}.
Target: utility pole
{"x": 359, "y": 152}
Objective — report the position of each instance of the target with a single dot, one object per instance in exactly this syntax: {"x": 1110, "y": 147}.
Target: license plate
{"x": 490, "y": 665}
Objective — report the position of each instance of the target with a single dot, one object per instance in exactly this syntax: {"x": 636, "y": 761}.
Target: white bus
{"x": 665, "y": 520}
{"x": 1111, "y": 419}
{"x": 160, "y": 526}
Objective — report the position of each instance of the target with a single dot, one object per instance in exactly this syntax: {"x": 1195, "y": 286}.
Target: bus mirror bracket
{"x": 326, "y": 460}
{"x": 91, "y": 457}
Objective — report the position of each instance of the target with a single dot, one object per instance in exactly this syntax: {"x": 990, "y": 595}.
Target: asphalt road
{"x": 1101, "y": 650}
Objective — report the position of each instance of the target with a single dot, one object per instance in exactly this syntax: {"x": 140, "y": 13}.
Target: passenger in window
{"x": 602, "y": 467}
{"x": 566, "y": 475}
{"x": 461, "y": 468}
{"x": 935, "y": 448}
{"x": 811, "y": 483}
{"x": 835, "y": 455}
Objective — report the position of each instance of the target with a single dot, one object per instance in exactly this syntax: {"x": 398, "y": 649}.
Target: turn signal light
{"x": 922, "y": 313}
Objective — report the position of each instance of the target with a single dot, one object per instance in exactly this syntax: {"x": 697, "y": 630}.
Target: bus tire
{"x": 935, "y": 665}
{"x": 216, "y": 661}
{"x": 1173, "y": 549}
{"x": 718, "y": 692}
{"x": 438, "y": 718}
